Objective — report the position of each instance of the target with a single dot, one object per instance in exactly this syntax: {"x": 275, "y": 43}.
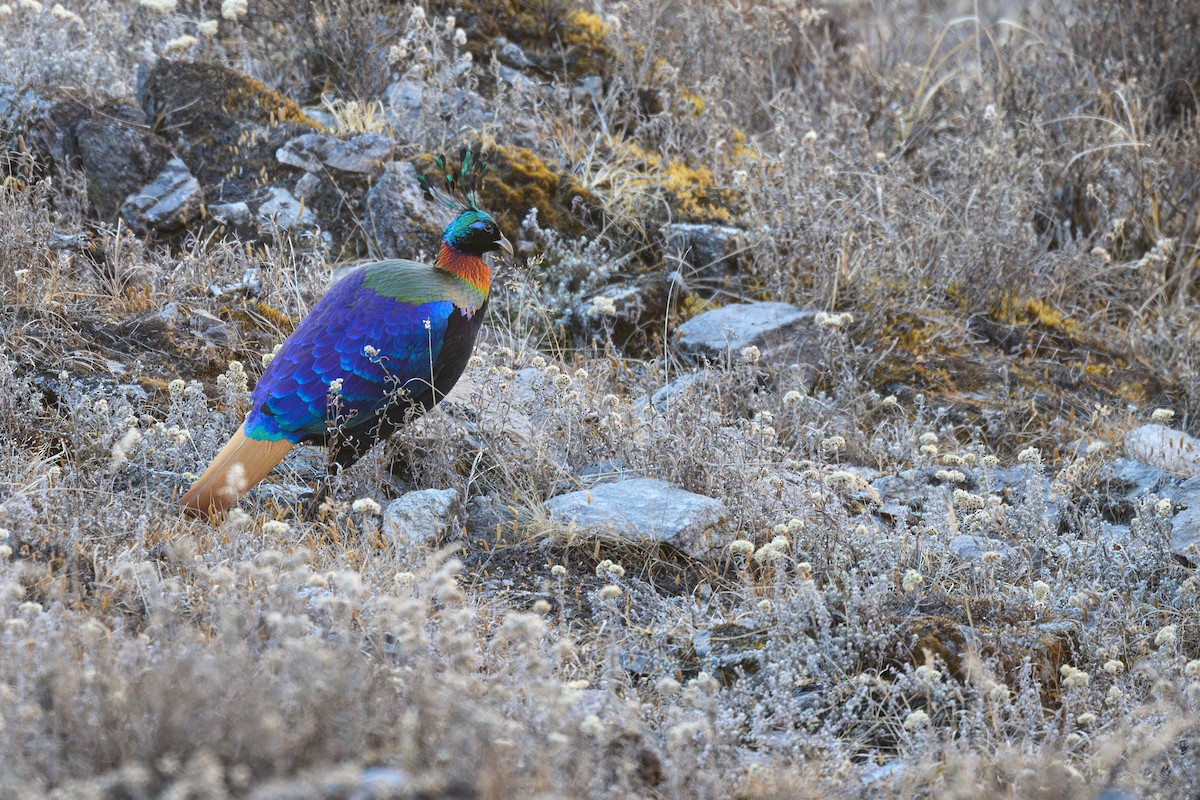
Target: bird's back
{"x": 393, "y": 332}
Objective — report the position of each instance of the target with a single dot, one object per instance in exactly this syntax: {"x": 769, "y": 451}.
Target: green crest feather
{"x": 461, "y": 184}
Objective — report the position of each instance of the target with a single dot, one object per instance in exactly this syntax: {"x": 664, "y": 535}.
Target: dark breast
{"x": 457, "y": 347}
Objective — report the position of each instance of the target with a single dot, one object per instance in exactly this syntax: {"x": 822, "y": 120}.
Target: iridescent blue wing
{"x": 291, "y": 399}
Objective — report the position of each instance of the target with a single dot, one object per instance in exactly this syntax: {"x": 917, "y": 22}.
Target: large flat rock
{"x": 644, "y": 511}
{"x": 785, "y": 334}
{"x": 1164, "y": 448}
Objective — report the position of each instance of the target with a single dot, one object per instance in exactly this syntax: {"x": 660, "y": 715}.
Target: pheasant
{"x": 385, "y": 343}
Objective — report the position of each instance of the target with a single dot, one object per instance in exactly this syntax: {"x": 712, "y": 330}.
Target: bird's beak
{"x": 505, "y": 245}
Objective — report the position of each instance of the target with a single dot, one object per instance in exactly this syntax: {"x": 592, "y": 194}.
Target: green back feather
{"x": 413, "y": 282}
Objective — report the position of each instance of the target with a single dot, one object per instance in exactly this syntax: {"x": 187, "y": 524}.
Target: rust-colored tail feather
{"x": 240, "y": 465}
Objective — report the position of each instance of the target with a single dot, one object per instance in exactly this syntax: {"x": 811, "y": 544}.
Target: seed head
{"x": 912, "y": 581}
{"x": 365, "y": 505}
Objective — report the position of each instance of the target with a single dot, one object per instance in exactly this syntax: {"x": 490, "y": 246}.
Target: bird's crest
{"x": 461, "y": 183}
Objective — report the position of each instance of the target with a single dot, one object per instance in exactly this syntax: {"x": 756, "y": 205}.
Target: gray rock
{"x": 1185, "y": 528}
{"x": 282, "y": 210}
{"x": 589, "y": 88}
{"x": 511, "y": 53}
{"x": 398, "y": 219}
{"x": 230, "y": 213}
{"x": 711, "y": 250}
{"x": 167, "y": 203}
{"x": 645, "y": 511}
{"x": 118, "y": 159}
{"x": 667, "y": 396}
{"x": 380, "y": 783}
{"x": 972, "y": 548}
{"x": 209, "y": 327}
{"x": 626, "y": 313}
{"x": 304, "y": 152}
{"x": 419, "y": 517}
{"x": 610, "y": 469}
{"x": 510, "y": 75}
{"x": 908, "y": 488}
{"x": 1164, "y": 448}
{"x": 106, "y": 139}
{"x": 321, "y": 116}
{"x": 485, "y": 512}
{"x": 782, "y": 332}
{"x": 307, "y": 187}
{"x": 1132, "y": 479}
{"x": 403, "y": 102}
{"x": 364, "y": 154}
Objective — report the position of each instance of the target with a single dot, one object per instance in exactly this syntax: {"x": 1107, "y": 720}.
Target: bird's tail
{"x": 241, "y": 464}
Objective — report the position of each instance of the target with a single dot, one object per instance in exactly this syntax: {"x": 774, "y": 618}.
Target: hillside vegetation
{"x": 937, "y": 533}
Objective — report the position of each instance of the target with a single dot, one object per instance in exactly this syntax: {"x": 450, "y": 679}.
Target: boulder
{"x": 167, "y": 203}
{"x": 282, "y": 210}
{"x": 399, "y": 220}
{"x": 631, "y": 314}
{"x": 419, "y": 517}
{"x": 644, "y": 511}
{"x": 783, "y": 333}
{"x": 1164, "y": 448}
{"x": 1185, "y": 528}
{"x": 710, "y": 250}
{"x": 364, "y": 154}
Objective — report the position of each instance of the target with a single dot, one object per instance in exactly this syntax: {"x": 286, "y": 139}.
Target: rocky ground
{"x": 830, "y": 436}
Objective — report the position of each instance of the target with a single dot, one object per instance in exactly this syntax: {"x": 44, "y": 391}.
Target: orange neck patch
{"x": 472, "y": 269}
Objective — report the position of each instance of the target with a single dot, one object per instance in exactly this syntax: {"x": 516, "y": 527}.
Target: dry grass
{"x": 1003, "y": 197}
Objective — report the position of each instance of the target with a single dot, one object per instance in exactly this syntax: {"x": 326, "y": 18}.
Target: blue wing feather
{"x": 289, "y": 401}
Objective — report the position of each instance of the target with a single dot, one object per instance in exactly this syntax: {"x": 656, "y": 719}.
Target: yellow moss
{"x": 692, "y": 191}
{"x": 274, "y": 316}
{"x": 1016, "y": 311}
{"x": 252, "y": 95}
{"x": 520, "y": 181}
{"x": 258, "y": 316}
{"x": 586, "y": 28}
{"x": 693, "y": 102}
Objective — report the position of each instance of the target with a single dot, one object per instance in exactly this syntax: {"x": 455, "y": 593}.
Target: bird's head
{"x": 474, "y": 232}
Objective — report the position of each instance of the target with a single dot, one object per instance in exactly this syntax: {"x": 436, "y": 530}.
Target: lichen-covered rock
{"x": 282, "y": 210}
{"x": 1185, "y": 528}
{"x": 419, "y": 517}
{"x": 225, "y": 125}
{"x": 631, "y": 315}
{"x": 201, "y": 102}
{"x": 783, "y": 333}
{"x": 645, "y": 511}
